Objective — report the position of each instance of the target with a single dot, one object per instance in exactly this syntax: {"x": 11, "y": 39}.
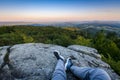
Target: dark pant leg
{"x": 59, "y": 73}
{"x": 87, "y": 73}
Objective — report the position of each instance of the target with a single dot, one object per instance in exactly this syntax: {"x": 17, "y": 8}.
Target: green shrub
{"x": 115, "y": 65}
{"x": 82, "y": 41}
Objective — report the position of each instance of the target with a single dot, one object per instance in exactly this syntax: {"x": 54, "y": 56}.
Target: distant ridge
{"x": 64, "y": 24}
{"x": 14, "y": 23}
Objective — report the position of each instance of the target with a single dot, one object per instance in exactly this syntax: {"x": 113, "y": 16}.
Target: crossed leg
{"x": 59, "y": 73}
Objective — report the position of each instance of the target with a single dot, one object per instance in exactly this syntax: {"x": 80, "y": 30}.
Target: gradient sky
{"x": 59, "y": 10}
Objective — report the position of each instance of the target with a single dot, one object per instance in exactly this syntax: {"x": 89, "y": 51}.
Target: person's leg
{"x": 80, "y": 72}
{"x": 99, "y": 74}
{"x": 86, "y": 73}
{"x": 59, "y": 73}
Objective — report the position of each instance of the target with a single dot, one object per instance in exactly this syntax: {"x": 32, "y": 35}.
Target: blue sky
{"x": 59, "y": 10}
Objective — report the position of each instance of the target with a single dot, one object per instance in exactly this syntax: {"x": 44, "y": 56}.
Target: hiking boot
{"x": 58, "y": 56}
{"x": 68, "y": 64}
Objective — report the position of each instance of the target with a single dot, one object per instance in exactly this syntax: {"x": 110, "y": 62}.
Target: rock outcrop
{"x": 35, "y": 61}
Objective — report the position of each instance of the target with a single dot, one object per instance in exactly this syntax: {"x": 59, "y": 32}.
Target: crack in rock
{"x": 6, "y": 59}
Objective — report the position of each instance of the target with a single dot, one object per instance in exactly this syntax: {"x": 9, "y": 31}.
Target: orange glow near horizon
{"x": 60, "y": 17}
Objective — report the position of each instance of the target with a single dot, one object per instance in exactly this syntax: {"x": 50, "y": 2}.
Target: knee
{"x": 101, "y": 71}
{"x": 101, "y": 74}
